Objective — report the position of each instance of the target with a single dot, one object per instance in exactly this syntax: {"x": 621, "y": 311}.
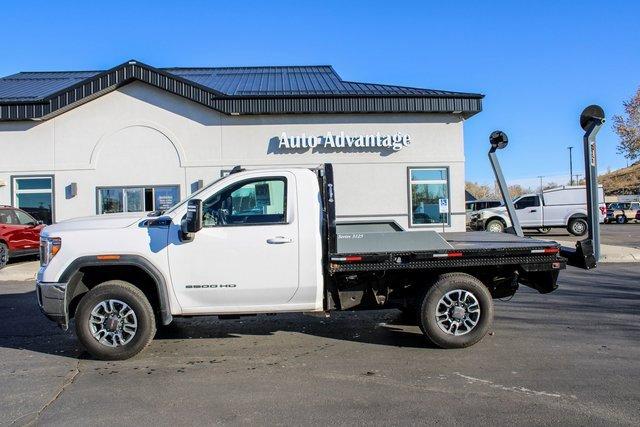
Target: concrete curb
{"x": 22, "y": 271}
{"x": 610, "y": 253}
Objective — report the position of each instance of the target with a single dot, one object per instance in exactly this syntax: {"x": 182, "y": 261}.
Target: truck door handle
{"x": 533, "y": 210}
{"x": 278, "y": 240}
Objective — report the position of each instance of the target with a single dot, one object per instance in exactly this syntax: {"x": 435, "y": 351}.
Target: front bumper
{"x": 476, "y": 224}
{"x": 52, "y": 302}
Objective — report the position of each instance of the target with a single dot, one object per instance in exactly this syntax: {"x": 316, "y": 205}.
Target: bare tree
{"x": 627, "y": 127}
{"x": 517, "y": 190}
{"x": 479, "y": 191}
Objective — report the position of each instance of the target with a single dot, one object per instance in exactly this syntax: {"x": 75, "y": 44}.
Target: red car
{"x": 19, "y": 234}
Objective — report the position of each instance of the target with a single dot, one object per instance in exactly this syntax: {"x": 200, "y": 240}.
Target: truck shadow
{"x": 587, "y": 306}
{"x": 23, "y": 327}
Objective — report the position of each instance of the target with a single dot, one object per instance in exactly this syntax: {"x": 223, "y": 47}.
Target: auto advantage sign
{"x": 343, "y": 141}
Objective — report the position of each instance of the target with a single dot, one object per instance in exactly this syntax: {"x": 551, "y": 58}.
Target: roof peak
{"x": 226, "y": 88}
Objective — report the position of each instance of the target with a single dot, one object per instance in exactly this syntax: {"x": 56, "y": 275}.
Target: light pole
{"x": 540, "y": 176}
{"x": 570, "y": 165}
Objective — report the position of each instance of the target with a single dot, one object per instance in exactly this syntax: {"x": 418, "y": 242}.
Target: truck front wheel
{"x": 456, "y": 311}
{"x": 4, "y": 255}
{"x": 495, "y": 226}
{"x": 114, "y": 321}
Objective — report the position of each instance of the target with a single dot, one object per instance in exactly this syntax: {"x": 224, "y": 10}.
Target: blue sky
{"x": 538, "y": 63}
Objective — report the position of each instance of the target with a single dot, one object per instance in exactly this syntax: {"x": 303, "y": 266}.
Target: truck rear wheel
{"x": 578, "y": 226}
{"x": 114, "y": 321}
{"x": 456, "y": 311}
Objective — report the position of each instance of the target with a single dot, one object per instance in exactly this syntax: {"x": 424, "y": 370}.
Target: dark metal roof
{"x": 231, "y": 90}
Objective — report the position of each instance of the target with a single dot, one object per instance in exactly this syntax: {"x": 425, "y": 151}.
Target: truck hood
{"x": 498, "y": 210}
{"x": 96, "y": 222}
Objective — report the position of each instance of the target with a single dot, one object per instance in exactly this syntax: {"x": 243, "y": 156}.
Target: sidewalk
{"x": 20, "y": 271}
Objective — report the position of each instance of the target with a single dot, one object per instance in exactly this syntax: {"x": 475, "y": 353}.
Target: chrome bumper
{"x": 52, "y": 302}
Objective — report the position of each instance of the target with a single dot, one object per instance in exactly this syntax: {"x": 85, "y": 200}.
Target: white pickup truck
{"x": 561, "y": 207}
{"x": 265, "y": 241}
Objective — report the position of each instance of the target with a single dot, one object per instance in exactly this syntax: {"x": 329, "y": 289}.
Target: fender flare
{"x": 124, "y": 260}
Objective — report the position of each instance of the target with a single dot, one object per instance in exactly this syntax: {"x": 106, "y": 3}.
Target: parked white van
{"x": 561, "y": 207}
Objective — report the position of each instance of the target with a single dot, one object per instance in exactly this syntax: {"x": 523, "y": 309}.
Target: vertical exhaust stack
{"x": 499, "y": 140}
{"x": 587, "y": 252}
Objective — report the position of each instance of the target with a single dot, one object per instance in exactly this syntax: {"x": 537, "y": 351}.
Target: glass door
{"x": 34, "y": 195}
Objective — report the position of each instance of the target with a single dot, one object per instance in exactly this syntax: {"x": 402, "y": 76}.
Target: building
{"x": 137, "y": 138}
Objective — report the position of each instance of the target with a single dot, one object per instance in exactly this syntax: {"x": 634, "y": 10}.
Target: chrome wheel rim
{"x": 579, "y": 227}
{"x": 495, "y": 228}
{"x": 458, "y": 312}
{"x": 113, "y": 323}
{"x": 4, "y": 256}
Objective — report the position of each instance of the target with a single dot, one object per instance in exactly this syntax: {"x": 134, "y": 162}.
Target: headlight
{"x": 49, "y": 247}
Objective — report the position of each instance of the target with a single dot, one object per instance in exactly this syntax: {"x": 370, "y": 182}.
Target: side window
{"x": 7, "y": 217}
{"x": 262, "y": 201}
{"x": 527, "y": 202}
{"x": 470, "y": 207}
{"x": 24, "y": 218}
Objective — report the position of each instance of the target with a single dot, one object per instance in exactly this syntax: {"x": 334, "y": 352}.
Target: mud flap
{"x": 541, "y": 277}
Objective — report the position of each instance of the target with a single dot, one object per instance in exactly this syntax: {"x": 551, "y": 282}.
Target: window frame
{"x": 125, "y": 187}
{"x": 446, "y": 181}
{"x": 33, "y": 221}
{"x": 15, "y": 191}
{"x": 539, "y": 202}
{"x": 239, "y": 184}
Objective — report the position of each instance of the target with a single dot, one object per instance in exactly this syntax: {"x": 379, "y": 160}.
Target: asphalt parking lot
{"x": 610, "y": 234}
{"x": 570, "y": 358}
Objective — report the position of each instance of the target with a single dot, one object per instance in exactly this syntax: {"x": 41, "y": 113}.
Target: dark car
{"x": 19, "y": 234}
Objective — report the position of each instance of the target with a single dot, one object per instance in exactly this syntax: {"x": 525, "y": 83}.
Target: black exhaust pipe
{"x": 586, "y": 254}
{"x": 499, "y": 140}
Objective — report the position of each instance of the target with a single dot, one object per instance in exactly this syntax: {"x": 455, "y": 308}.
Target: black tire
{"x": 4, "y": 255}
{"x": 494, "y": 226}
{"x": 544, "y": 230}
{"x": 427, "y": 319}
{"x": 127, "y": 293}
{"x": 621, "y": 219}
{"x": 578, "y": 226}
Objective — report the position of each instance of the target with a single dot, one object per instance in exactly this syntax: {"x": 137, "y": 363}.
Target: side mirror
{"x": 192, "y": 222}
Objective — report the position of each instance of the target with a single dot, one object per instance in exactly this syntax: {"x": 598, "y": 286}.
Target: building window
{"x": 34, "y": 195}
{"x": 426, "y": 187}
{"x": 136, "y": 199}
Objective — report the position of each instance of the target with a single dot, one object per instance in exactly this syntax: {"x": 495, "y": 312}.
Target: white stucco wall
{"x": 139, "y": 135}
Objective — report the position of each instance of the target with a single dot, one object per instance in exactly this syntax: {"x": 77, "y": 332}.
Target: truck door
{"x": 529, "y": 211}
{"x": 246, "y": 254}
